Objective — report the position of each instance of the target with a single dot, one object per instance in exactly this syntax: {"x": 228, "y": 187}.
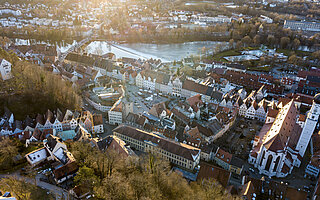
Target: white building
{"x": 309, "y": 125}
{"x": 282, "y": 142}
{"x": 5, "y": 69}
{"x": 115, "y": 113}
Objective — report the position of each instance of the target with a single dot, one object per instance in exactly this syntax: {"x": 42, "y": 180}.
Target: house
{"x": 67, "y": 135}
{"x": 64, "y": 172}
{"x": 97, "y": 123}
{"x": 5, "y": 69}
{"x": 287, "y": 82}
{"x": 302, "y": 25}
{"x": 115, "y": 144}
{"x": 179, "y": 154}
{"x": 208, "y": 152}
{"x": 54, "y": 147}
{"x": 228, "y": 162}
{"x": 37, "y": 156}
{"x": 160, "y": 111}
{"x": 208, "y": 171}
{"x": 137, "y": 120}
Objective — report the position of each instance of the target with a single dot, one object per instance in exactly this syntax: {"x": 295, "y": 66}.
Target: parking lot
{"x": 143, "y": 99}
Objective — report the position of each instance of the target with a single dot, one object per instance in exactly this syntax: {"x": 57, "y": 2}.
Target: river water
{"x": 165, "y": 52}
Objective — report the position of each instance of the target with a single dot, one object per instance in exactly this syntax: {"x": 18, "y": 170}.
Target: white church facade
{"x": 282, "y": 142}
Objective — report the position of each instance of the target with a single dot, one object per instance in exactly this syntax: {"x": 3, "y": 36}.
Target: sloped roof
{"x": 66, "y": 170}
{"x": 97, "y": 119}
{"x": 157, "y": 109}
{"x": 208, "y": 171}
{"x": 180, "y": 149}
{"x": 195, "y": 87}
{"x": 282, "y": 128}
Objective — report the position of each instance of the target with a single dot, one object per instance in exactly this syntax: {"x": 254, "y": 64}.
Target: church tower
{"x": 309, "y": 126}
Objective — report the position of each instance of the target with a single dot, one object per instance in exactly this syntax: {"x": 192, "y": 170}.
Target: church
{"x": 282, "y": 142}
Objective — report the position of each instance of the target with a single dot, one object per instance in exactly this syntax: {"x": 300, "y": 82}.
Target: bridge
{"x": 76, "y": 46}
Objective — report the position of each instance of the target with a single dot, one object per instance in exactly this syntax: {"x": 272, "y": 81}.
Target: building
{"x": 114, "y": 143}
{"x": 228, "y": 161}
{"x": 97, "y": 124}
{"x": 313, "y": 167}
{"x": 37, "y": 156}
{"x": 5, "y": 69}
{"x": 309, "y": 125}
{"x": 287, "y": 82}
{"x": 208, "y": 171}
{"x": 115, "y": 113}
{"x": 180, "y": 154}
{"x": 281, "y": 143}
{"x": 303, "y": 26}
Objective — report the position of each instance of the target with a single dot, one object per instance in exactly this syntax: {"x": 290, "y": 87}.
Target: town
{"x": 159, "y": 100}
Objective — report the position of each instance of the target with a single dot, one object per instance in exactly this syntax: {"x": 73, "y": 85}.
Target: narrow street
{"x": 58, "y": 192}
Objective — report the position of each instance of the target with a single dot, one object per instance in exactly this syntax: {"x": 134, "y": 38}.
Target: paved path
{"x": 58, "y": 192}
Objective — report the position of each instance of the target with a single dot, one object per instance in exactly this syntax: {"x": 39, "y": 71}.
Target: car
{"x": 251, "y": 170}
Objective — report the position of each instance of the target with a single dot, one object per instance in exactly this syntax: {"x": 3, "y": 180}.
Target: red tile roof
{"x": 208, "y": 171}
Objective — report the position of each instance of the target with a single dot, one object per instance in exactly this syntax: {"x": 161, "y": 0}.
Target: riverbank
{"x": 165, "y": 52}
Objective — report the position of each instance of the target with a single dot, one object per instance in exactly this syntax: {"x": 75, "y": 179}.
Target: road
{"x": 58, "y": 192}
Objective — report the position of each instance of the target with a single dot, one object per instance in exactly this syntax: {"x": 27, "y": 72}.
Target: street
{"x": 58, "y": 192}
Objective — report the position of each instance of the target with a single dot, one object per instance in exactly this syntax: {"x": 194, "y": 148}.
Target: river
{"x": 165, "y": 52}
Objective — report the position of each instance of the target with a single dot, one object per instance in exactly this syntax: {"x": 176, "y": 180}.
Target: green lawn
{"x": 233, "y": 52}
{"x": 288, "y": 52}
{"x": 219, "y": 56}
{"x": 259, "y": 69}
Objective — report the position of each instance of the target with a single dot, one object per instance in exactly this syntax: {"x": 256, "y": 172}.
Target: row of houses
{"x": 175, "y": 85}
{"x": 52, "y": 122}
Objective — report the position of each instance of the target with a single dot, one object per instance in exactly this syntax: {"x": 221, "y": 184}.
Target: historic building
{"x": 282, "y": 142}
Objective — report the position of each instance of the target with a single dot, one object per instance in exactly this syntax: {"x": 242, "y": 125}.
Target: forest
{"x": 110, "y": 176}
{"x": 34, "y": 90}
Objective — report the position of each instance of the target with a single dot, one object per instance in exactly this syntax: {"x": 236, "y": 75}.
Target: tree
{"x": 257, "y": 40}
{"x": 262, "y": 60}
{"x": 271, "y": 40}
{"x": 21, "y": 189}
{"x": 293, "y": 59}
{"x": 231, "y": 43}
{"x": 284, "y": 41}
{"x": 146, "y": 177}
{"x": 316, "y": 55}
{"x": 85, "y": 176}
{"x": 246, "y": 40}
{"x": 296, "y": 43}
{"x": 239, "y": 45}
{"x": 8, "y": 150}
{"x": 218, "y": 48}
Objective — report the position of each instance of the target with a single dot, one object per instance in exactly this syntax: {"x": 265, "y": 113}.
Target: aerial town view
{"x": 159, "y": 99}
